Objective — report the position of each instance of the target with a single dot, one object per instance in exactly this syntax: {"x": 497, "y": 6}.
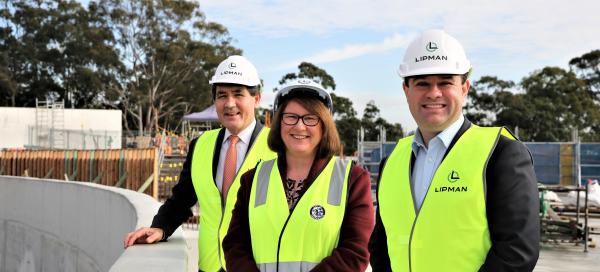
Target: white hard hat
{"x": 434, "y": 52}
{"x": 236, "y": 70}
{"x": 303, "y": 86}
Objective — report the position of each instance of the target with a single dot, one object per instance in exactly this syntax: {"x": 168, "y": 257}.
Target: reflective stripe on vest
{"x": 334, "y": 196}
{"x": 287, "y": 266}
{"x": 299, "y": 240}
{"x": 450, "y": 231}
{"x": 213, "y": 220}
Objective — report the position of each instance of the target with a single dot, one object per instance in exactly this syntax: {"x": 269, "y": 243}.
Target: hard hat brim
{"x": 302, "y": 90}
{"x": 435, "y": 71}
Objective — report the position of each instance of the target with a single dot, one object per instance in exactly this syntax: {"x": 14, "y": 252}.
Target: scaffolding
{"x": 49, "y": 124}
{"x": 370, "y": 153}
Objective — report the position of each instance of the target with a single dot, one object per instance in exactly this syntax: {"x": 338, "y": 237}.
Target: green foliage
{"x": 57, "y": 50}
{"x": 557, "y": 102}
{"x": 374, "y": 126}
{"x": 485, "y": 99}
{"x": 587, "y": 67}
{"x": 151, "y": 59}
{"x": 309, "y": 70}
{"x": 168, "y": 65}
{"x": 342, "y": 107}
{"x": 551, "y": 103}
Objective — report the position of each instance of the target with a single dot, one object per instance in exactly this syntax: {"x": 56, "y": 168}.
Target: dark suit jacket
{"x": 512, "y": 205}
{"x": 176, "y": 209}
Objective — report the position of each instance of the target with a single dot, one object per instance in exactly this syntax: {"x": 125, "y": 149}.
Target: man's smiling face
{"x": 436, "y": 101}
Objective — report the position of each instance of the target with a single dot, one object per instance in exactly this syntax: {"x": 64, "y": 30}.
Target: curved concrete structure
{"x": 49, "y": 225}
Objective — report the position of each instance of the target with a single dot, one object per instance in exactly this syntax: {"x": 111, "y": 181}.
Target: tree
{"x": 486, "y": 99}
{"x": 170, "y": 51}
{"x": 554, "y": 102}
{"x": 8, "y": 87}
{"x": 151, "y": 59}
{"x": 562, "y": 102}
{"x": 587, "y": 67}
{"x": 311, "y": 71}
{"x": 550, "y": 104}
{"x": 342, "y": 107}
{"x": 369, "y": 122}
{"x": 373, "y": 125}
{"x": 58, "y": 50}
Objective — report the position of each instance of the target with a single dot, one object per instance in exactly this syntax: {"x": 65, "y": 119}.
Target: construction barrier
{"x": 132, "y": 169}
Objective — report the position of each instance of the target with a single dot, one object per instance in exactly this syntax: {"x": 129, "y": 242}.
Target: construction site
{"x": 102, "y": 104}
{"x": 96, "y": 153}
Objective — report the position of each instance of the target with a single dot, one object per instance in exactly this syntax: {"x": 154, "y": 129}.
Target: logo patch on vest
{"x": 453, "y": 177}
{"x": 317, "y": 212}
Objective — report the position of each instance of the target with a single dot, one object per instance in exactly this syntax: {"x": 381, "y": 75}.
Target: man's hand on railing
{"x": 143, "y": 235}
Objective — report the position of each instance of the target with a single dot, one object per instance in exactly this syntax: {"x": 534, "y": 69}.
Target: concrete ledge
{"x": 49, "y": 225}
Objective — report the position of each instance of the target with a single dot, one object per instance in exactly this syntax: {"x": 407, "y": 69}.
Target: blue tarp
{"x": 546, "y": 160}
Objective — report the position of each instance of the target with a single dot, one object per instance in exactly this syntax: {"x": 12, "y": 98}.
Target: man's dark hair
{"x": 463, "y": 76}
{"x": 253, "y": 90}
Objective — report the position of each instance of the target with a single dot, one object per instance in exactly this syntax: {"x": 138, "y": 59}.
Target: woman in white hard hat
{"x": 308, "y": 210}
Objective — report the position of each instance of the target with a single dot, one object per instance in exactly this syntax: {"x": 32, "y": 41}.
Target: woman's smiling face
{"x": 300, "y": 139}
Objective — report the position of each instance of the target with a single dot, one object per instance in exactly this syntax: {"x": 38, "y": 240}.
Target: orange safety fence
{"x": 127, "y": 168}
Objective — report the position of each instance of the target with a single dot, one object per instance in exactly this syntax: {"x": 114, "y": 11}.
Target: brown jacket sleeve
{"x": 237, "y": 244}
{"x": 352, "y": 252}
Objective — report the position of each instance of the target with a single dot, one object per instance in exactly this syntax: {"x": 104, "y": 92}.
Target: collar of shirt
{"x": 445, "y": 136}
{"x": 244, "y": 135}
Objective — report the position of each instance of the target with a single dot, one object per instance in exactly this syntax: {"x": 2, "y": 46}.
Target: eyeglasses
{"x": 291, "y": 119}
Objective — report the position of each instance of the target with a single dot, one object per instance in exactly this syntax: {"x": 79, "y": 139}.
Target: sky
{"x": 362, "y": 43}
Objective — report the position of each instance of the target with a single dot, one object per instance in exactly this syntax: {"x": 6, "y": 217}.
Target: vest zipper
{"x": 219, "y": 230}
{"x": 281, "y": 236}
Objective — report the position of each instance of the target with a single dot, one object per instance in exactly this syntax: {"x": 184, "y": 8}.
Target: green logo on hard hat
{"x": 431, "y": 46}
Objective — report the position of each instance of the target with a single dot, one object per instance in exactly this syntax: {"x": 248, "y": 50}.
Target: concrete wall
{"x": 15, "y": 124}
{"x": 48, "y": 225}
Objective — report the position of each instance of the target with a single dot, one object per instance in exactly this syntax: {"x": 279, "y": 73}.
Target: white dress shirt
{"x": 242, "y": 148}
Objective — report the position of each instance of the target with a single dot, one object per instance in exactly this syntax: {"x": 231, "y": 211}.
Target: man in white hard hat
{"x": 454, "y": 196}
{"x": 214, "y": 164}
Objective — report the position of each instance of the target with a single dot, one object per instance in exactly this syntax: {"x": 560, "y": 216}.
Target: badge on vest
{"x": 317, "y": 212}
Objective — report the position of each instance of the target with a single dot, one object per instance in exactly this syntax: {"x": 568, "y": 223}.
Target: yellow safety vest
{"x": 213, "y": 218}
{"x": 300, "y": 239}
{"x": 450, "y": 231}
